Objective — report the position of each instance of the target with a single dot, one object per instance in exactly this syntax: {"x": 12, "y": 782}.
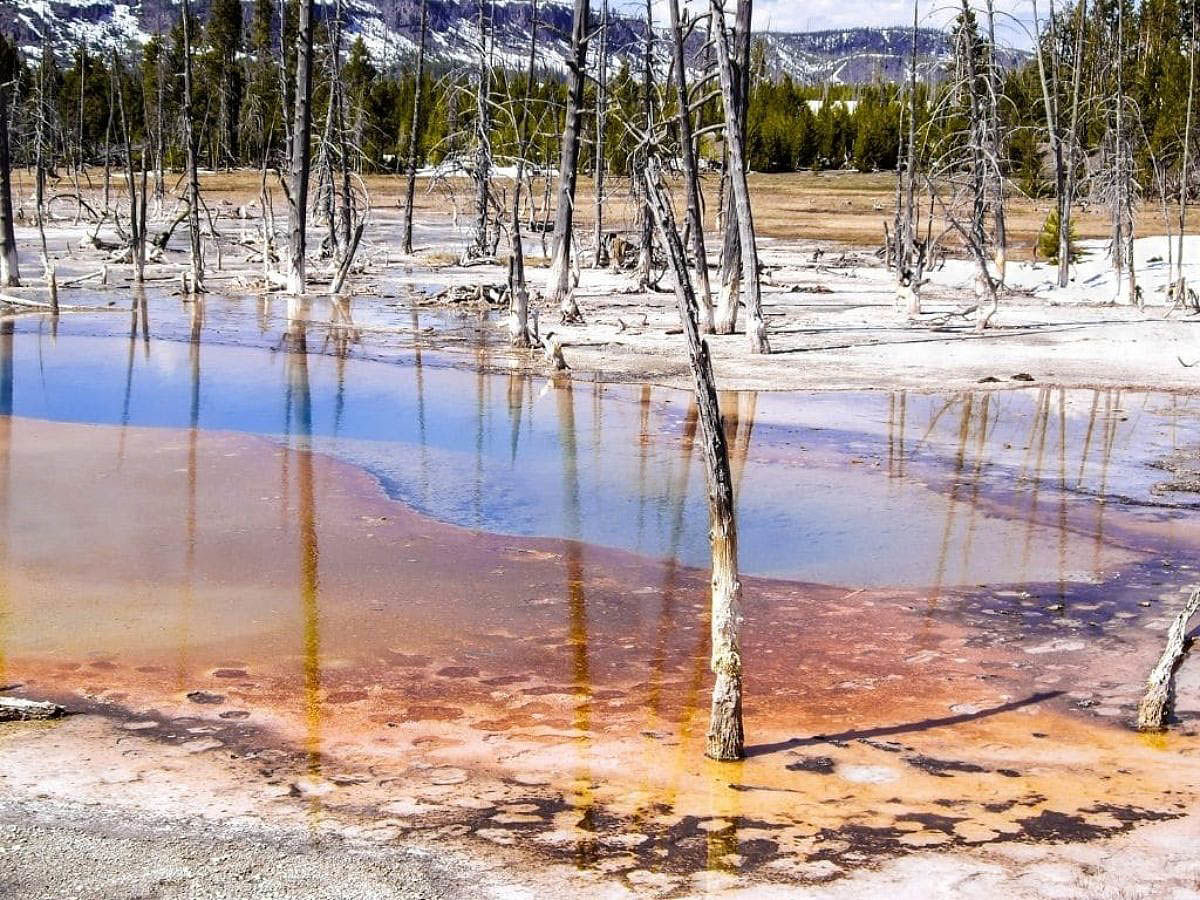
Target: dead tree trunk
{"x": 301, "y": 159}
{"x": 1067, "y": 201}
{"x": 1156, "y": 706}
{"x": 189, "y": 136}
{"x": 1185, "y": 165}
{"x": 645, "y": 218}
{"x": 137, "y": 219}
{"x": 726, "y": 738}
{"x": 996, "y": 150}
{"x": 518, "y": 287}
{"x": 601, "y": 259}
{"x": 756, "y": 327}
{"x": 691, "y": 175}
{"x": 41, "y": 126}
{"x": 1124, "y": 185}
{"x": 558, "y": 282}
{"x": 410, "y": 189}
{"x": 483, "y": 133}
{"x": 10, "y": 272}
{"x": 729, "y": 294}
{"x": 907, "y": 238}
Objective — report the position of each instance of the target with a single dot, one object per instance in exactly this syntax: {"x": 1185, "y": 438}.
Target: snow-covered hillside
{"x": 389, "y": 30}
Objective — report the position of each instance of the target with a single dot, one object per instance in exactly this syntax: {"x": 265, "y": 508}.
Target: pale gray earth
{"x": 50, "y": 850}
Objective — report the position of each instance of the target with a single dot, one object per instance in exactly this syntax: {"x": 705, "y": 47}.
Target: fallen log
{"x": 1157, "y": 705}
{"x": 17, "y": 709}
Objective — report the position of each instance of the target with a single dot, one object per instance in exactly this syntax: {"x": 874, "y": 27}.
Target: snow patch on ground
{"x": 1093, "y": 280}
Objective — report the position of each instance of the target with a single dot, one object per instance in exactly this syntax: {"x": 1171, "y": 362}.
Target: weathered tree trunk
{"x": 730, "y": 292}
{"x": 996, "y": 144}
{"x": 756, "y": 327}
{"x": 726, "y": 738}
{"x": 558, "y": 281}
{"x": 483, "y": 133}
{"x": 1067, "y": 201}
{"x": 189, "y": 136}
{"x": 908, "y": 221}
{"x": 1185, "y": 166}
{"x": 301, "y": 152}
{"x": 601, "y": 259}
{"x": 41, "y": 125}
{"x": 518, "y": 288}
{"x": 137, "y": 220}
{"x": 1156, "y": 706}
{"x": 414, "y": 132}
{"x": 645, "y": 263}
{"x": 10, "y": 271}
{"x": 691, "y": 175}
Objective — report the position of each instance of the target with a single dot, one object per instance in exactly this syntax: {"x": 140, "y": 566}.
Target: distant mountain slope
{"x": 389, "y": 29}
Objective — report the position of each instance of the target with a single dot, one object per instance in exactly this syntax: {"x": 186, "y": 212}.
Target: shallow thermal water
{"x": 841, "y": 488}
{"x": 172, "y": 559}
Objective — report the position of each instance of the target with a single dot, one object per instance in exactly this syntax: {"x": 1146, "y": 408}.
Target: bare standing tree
{"x": 1062, "y": 133}
{"x": 726, "y": 735}
{"x": 558, "y": 282}
{"x": 300, "y": 151}
{"x": 481, "y": 244}
{"x": 519, "y": 289}
{"x": 410, "y": 189}
{"x": 756, "y": 327}
{"x": 189, "y": 137}
{"x": 137, "y": 212}
{"x": 645, "y": 218}
{"x": 729, "y": 294}
{"x": 601, "y": 258}
{"x": 1185, "y": 163}
{"x": 995, "y": 171}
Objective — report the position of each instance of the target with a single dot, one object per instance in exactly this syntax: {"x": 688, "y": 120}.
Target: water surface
{"x": 860, "y": 489}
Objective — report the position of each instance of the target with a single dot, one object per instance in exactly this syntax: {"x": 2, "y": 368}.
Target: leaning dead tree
{"x": 691, "y": 174}
{"x": 726, "y": 737}
{"x": 10, "y": 272}
{"x": 558, "y": 282}
{"x": 756, "y": 327}
{"x": 1158, "y": 703}
{"x": 300, "y": 152}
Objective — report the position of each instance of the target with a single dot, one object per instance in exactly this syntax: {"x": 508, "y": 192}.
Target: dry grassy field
{"x": 837, "y": 206}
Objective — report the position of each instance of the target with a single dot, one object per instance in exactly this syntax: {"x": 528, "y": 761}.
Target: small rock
{"x": 206, "y": 698}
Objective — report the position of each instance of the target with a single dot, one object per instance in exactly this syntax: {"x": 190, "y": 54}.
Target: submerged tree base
{"x": 726, "y": 739}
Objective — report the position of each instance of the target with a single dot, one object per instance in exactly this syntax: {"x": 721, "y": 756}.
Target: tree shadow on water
{"x": 905, "y": 728}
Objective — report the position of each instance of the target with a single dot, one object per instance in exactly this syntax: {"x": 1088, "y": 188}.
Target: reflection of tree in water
{"x": 6, "y": 411}
{"x": 341, "y": 337}
{"x": 139, "y": 317}
{"x": 419, "y": 372}
{"x": 587, "y": 851}
{"x": 300, "y": 423}
{"x": 195, "y": 309}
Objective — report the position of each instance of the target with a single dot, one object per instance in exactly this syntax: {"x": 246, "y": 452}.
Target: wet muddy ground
{"x": 288, "y": 585}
